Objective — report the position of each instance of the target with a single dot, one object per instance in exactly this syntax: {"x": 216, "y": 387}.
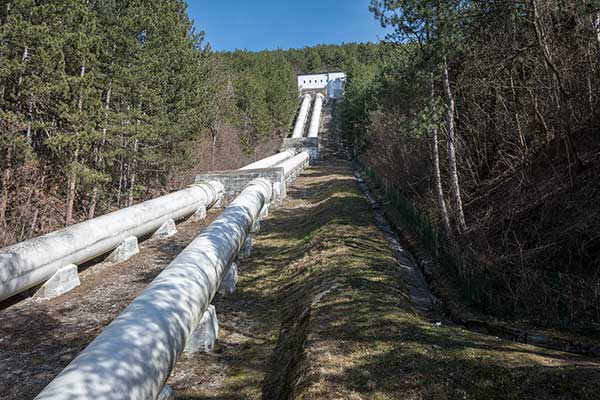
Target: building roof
{"x": 321, "y": 73}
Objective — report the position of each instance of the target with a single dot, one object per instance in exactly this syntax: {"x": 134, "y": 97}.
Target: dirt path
{"x": 39, "y": 338}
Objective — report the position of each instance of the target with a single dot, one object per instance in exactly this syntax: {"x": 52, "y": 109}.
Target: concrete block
{"x": 125, "y": 251}
{"x": 166, "y": 230}
{"x": 246, "y": 249}
{"x": 264, "y": 213}
{"x": 278, "y": 191}
{"x": 236, "y": 181}
{"x": 205, "y": 335}
{"x": 167, "y": 393}
{"x": 199, "y": 215}
{"x": 311, "y": 145}
{"x": 229, "y": 282}
{"x": 255, "y": 227}
{"x": 63, "y": 280}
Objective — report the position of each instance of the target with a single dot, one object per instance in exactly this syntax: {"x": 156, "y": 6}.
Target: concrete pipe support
{"x": 315, "y": 122}
{"x": 270, "y": 161}
{"x": 32, "y": 262}
{"x": 133, "y": 357}
{"x": 295, "y": 165}
{"x": 302, "y": 117}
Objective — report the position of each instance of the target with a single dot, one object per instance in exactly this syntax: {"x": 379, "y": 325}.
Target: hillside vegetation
{"x": 482, "y": 125}
{"x": 480, "y": 119}
{"x": 104, "y": 103}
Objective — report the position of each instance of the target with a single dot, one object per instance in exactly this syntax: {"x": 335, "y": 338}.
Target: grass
{"x": 324, "y": 314}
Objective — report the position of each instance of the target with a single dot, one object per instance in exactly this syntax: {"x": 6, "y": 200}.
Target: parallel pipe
{"x": 133, "y": 357}
{"x": 295, "y": 165}
{"x": 315, "y": 122}
{"x": 32, "y": 262}
{"x": 270, "y": 161}
{"x": 302, "y": 117}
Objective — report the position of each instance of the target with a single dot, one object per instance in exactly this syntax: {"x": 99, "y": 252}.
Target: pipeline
{"x": 302, "y": 116}
{"x": 294, "y": 166}
{"x": 270, "y": 161}
{"x": 133, "y": 357}
{"x": 34, "y": 261}
{"x": 315, "y": 122}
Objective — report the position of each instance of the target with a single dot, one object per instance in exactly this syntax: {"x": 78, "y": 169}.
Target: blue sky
{"x": 271, "y": 24}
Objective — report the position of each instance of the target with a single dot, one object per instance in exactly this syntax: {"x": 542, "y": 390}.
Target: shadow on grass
{"x": 343, "y": 325}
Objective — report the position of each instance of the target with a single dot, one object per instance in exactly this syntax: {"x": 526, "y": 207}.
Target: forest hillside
{"x": 479, "y": 119}
{"x": 483, "y": 127}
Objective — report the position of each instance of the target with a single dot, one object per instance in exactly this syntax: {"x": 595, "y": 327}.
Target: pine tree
{"x": 432, "y": 25}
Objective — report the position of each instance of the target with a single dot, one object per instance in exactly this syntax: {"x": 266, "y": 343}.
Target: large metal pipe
{"x": 315, "y": 121}
{"x": 302, "y": 117}
{"x": 271, "y": 161}
{"x": 133, "y": 357}
{"x": 32, "y": 262}
{"x": 295, "y": 165}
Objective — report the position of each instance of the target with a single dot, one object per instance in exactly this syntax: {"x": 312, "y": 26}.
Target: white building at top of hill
{"x": 332, "y": 82}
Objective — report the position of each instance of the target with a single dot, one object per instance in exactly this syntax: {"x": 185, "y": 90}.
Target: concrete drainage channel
{"x": 419, "y": 292}
{"x": 425, "y": 302}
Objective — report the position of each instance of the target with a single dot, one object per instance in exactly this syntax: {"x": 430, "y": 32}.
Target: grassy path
{"x": 322, "y": 312}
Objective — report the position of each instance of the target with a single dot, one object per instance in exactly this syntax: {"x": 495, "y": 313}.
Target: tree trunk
{"x": 5, "y": 182}
{"x": 33, "y": 197}
{"x": 29, "y": 118}
{"x": 73, "y": 178}
{"x": 33, "y": 224}
{"x": 523, "y": 143}
{"x": 563, "y": 97}
{"x": 542, "y": 37}
{"x": 98, "y": 160}
{"x": 596, "y": 25}
{"x": 81, "y": 75}
{"x": 215, "y": 135}
{"x": 454, "y": 182}
{"x": 132, "y": 176}
{"x": 71, "y": 199}
{"x": 24, "y": 58}
{"x": 93, "y": 202}
{"x": 123, "y": 167}
{"x": 106, "y": 109}
{"x": 71, "y": 194}
{"x": 437, "y": 174}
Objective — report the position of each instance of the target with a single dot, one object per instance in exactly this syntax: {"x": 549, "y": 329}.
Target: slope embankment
{"x": 323, "y": 311}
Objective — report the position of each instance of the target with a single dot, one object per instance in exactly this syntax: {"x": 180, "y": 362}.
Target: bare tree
{"x": 436, "y": 170}
{"x": 5, "y": 183}
{"x": 450, "y": 128}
